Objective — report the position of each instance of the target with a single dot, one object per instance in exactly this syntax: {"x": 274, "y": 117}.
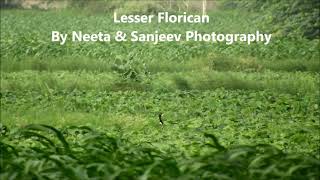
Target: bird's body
{"x": 160, "y": 119}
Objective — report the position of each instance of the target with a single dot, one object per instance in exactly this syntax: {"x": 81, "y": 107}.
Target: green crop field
{"x": 89, "y": 110}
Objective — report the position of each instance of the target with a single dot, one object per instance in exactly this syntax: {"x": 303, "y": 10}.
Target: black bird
{"x": 160, "y": 119}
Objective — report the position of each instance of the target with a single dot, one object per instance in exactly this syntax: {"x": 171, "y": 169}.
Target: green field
{"x": 230, "y": 111}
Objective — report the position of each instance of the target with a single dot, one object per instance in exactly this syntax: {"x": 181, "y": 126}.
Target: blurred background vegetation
{"x": 103, "y": 99}
{"x": 299, "y": 18}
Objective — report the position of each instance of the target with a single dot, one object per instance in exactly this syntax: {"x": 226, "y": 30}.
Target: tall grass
{"x": 45, "y": 152}
{"x": 261, "y": 101}
{"x": 298, "y": 82}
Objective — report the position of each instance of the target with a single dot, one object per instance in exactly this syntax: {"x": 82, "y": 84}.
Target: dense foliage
{"x": 22, "y": 38}
{"x": 81, "y": 153}
{"x": 90, "y": 110}
{"x": 299, "y": 18}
